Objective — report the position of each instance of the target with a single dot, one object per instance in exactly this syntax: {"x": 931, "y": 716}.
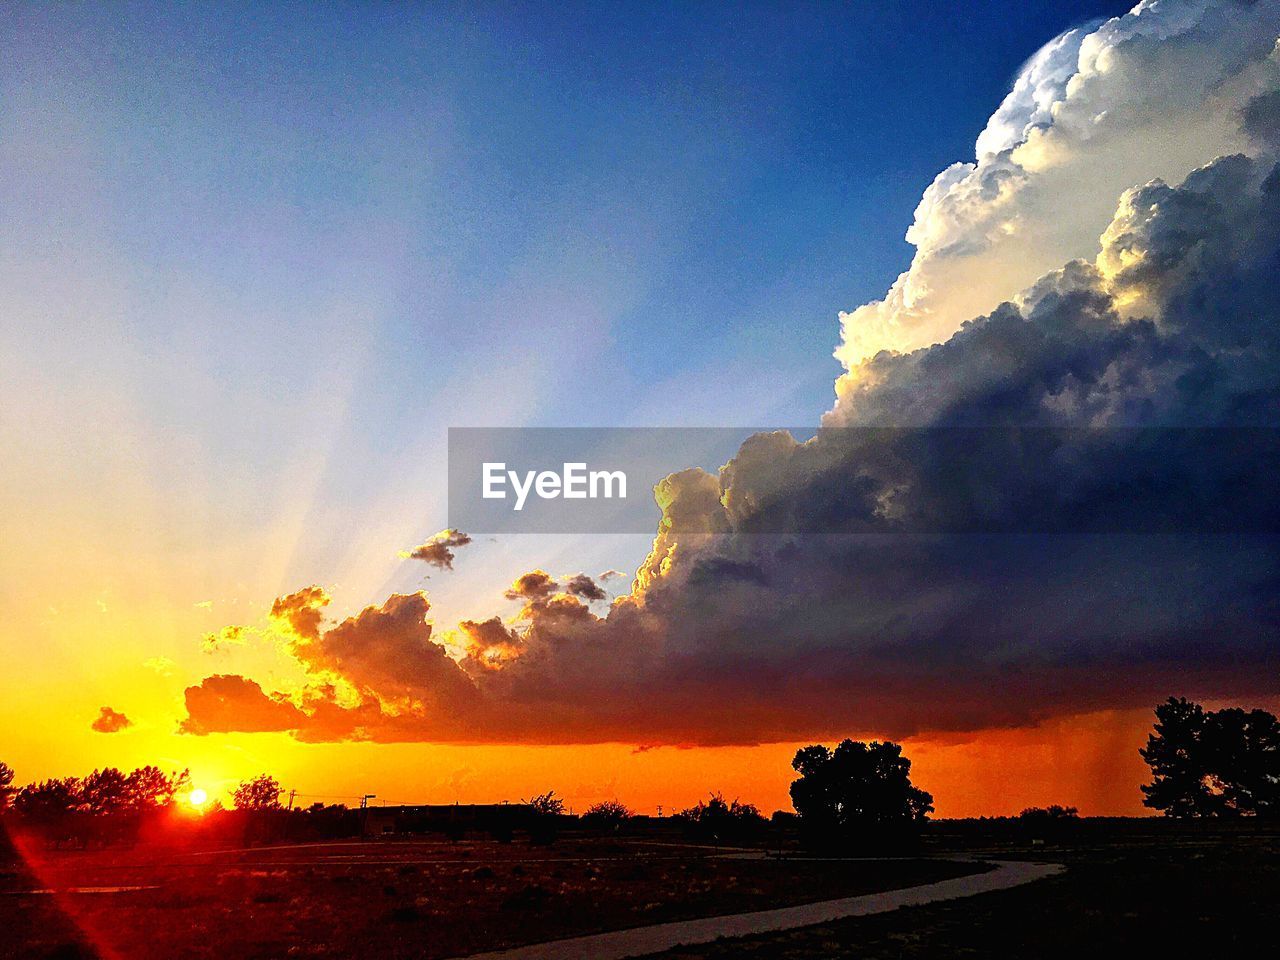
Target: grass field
{"x": 1201, "y": 894}
{"x": 415, "y": 898}
{"x": 1130, "y": 888}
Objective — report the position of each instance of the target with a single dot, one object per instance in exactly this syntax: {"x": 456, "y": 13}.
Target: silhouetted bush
{"x": 608, "y": 816}
{"x": 716, "y": 821}
{"x": 1053, "y": 823}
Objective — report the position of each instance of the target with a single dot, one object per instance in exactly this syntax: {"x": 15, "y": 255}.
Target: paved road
{"x": 620, "y": 944}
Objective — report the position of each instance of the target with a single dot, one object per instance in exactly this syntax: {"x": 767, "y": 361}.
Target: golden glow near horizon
{"x": 197, "y": 798}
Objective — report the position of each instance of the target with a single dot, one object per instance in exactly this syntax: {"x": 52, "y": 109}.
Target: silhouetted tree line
{"x": 111, "y": 807}
{"x": 855, "y": 797}
{"x": 1213, "y": 763}
{"x": 107, "y": 806}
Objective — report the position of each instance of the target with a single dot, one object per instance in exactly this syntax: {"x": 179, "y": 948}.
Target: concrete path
{"x": 637, "y": 941}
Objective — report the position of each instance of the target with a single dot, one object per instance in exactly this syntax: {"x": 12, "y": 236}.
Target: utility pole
{"x": 292, "y": 794}
{"x": 364, "y": 809}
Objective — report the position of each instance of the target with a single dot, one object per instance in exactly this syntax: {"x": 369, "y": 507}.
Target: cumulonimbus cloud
{"x": 1154, "y": 93}
{"x": 1171, "y": 319}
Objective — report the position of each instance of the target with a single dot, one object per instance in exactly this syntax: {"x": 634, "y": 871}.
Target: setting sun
{"x": 197, "y": 797}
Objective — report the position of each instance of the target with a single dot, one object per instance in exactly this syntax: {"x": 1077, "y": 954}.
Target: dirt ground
{"x": 397, "y": 898}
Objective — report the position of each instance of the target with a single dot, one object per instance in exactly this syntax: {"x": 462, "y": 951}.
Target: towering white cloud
{"x": 1152, "y": 94}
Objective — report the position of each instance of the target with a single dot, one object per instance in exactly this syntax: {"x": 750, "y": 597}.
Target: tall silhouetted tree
{"x": 857, "y": 794}
{"x": 1213, "y": 763}
{"x": 1244, "y": 752}
{"x": 1179, "y": 762}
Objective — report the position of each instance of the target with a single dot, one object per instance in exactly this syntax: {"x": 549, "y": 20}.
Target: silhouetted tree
{"x": 260, "y": 793}
{"x": 151, "y": 788}
{"x": 1213, "y": 763}
{"x": 1179, "y": 762}
{"x": 859, "y": 793}
{"x": 48, "y": 799}
{"x": 546, "y": 804}
{"x": 6, "y": 786}
{"x": 1244, "y": 759}
{"x": 1051, "y": 812}
{"x": 718, "y": 820}
{"x": 1054, "y": 822}
{"x": 52, "y": 807}
{"x": 606, "y": 815}
{"x": 547, "y": 808}
{"x": 105, "y": 791}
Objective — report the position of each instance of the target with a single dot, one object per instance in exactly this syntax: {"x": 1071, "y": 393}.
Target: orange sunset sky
{"x": 256, "y": 267}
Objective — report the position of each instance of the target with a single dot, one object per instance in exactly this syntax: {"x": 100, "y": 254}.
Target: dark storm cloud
{"x": 732, "y": 638}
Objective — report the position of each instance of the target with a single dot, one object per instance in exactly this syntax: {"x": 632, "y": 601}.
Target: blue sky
{"x": 716, "y": 180}
{"x": 258, "y": 259}
{"x": 278, "y": 250}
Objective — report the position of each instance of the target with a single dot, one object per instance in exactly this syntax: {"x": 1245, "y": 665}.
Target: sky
{"x": 258, "y": 259}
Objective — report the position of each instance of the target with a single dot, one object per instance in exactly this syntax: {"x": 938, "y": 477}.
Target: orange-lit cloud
{"x": 110, "y": 721}
{"x": 439, "y": 551}
{"x": 534, "y": 585}
{"x": 302, "y": 611}
{"x": 226, "y": 702}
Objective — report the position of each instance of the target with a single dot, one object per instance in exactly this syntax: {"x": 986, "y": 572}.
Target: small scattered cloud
{"x": 439, "y": 550}
{"x": 534, "y": 585}
{"x": 582, "y": 585}
{"x": 111, "y": 721}
{"x": 226, "y": 637}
